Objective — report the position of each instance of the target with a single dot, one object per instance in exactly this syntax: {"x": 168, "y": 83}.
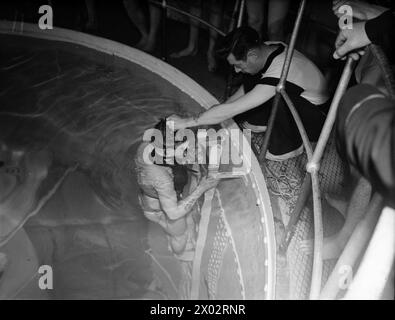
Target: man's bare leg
{"x": 278, "y": 10}
{"x": 192, "y": 47}
{"x": 154, "y": 13}
{"x": 334, "y": 245}
{"x": 215, "y": 20}
{"x": 137, "y": 16}
{"x": 91, "y": 24}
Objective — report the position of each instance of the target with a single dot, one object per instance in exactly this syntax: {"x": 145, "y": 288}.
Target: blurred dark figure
{"x": 92, "y": 21}
{"x": 277, "y": 11}
{"x": 215, "y": 8}
{"x": 366, "y": 118}
{"x": 366, "y": 128}
{"x": 148, "y": 28}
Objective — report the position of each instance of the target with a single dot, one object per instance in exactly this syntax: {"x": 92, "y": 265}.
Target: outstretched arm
{"x": 239, "y": 92}
{"x": 259, "y": 95}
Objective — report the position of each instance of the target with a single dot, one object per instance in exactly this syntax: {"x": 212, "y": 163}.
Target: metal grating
{"x": 284, "y": 180}
{"x": 220, "y": 244}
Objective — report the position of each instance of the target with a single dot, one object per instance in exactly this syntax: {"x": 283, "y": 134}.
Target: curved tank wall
{"x": 236, "y": 242}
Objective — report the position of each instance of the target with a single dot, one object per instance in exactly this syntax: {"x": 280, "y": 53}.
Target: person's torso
{"x": 304, "y": 78}
{"x": 149, "y": 175}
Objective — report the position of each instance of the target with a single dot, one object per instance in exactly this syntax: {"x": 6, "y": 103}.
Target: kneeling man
{"x": 261, "y": 64}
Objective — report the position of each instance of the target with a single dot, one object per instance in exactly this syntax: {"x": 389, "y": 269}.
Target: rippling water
{"x": 89, "y": 109}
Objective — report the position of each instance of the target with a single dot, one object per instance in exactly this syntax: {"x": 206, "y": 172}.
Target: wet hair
{"x": 239, "y": 42}
{"x": 180, "y": 172}
{"x": 162, "y": 127}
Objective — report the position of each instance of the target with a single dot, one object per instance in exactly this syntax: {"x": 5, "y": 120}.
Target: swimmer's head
{"x": 172, "y": 147}
{"x": 166, "y": 151}
{"x": 241, "y": 48}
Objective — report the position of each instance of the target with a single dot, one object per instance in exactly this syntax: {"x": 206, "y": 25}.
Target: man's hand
{"x": 208, "y": 182}
{"x": 175, "y": 122}
{"x": 361, "y": 10}
{"x": 351, "y": 39}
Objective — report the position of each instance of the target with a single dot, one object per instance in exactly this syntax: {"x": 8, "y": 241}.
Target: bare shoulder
{"x": 155, "y": 172}
{"x": 141, "y": 150}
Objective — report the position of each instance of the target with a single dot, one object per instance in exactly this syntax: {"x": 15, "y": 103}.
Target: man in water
{"x": 161, "y": 199}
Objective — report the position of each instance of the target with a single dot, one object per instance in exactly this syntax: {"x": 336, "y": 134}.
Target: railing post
{"x": 283, "y": 78}
{"x": 313, "y": 165}
{"x": 313, "y": 168}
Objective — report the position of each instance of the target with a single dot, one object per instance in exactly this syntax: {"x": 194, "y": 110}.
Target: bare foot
{"x": 149, "y": 46}
{"x": 188, "y": 51}
{"x": 339, "y": 204}
{"x": 212, "y": 63}
{"x": 332, "y": 247}
{"x": 91, "y": 25}
{"x": 142, "y": 43}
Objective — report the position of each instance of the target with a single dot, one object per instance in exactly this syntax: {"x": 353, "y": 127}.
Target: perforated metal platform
{"x": 284, "y": 180}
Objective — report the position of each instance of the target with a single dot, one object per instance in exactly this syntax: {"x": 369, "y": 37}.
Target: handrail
{"x": 283, "y": 78}
{"x": 313, "y": 158}
{"x": 313, "y": 165}
{"x": 299, "y": 124}
{"x": 313, "y": 168}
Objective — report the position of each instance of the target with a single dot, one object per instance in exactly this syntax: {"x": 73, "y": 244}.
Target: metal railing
{"x": 313, "y": 158}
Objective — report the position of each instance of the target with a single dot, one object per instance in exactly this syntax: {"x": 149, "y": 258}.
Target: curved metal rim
{"x": 186, "y": 85}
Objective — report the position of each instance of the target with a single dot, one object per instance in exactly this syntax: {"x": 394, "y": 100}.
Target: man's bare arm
{"x": 177, "y": 209}
{"x": 259, "y": 95}
{"x": 239, "y": 93}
